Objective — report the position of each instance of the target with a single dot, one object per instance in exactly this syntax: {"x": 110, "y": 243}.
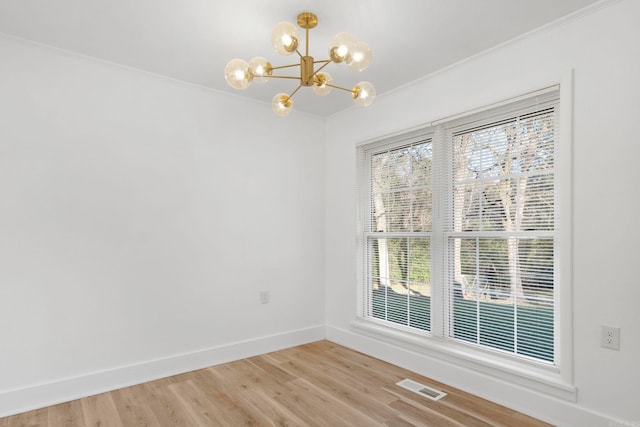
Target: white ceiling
{"x": 192, "y": 40}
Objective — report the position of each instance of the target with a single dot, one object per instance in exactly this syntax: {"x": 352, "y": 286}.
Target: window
{"x": 398, "y": 237}
{"x": 500, "y": 234}
{"x": 459, "y": 226}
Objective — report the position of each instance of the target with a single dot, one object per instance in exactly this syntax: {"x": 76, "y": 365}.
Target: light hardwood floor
{"x": 317, "y": 384}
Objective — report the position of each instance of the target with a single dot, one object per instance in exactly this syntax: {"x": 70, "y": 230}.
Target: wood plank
{"x": 100, "y": 411}
{"x": 168, "y": 410}
{"x": 271, "y": 368}
{"x": 364, "y": 398}
{"x": 203, "y": 409}
{"x": 421, "y": 417}
{"x": 66, "y": 415}
{"x": 319, "y": 407}
{"x": 37, "y": 418}
{"x": 133, "y": 409}
{"x": 398, "y": 421}
{"x": 268, "y": 410}
{"x": 229, "y": 409}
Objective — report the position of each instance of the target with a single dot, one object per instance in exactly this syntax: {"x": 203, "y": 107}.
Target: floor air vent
{"x": 422, "y": 390}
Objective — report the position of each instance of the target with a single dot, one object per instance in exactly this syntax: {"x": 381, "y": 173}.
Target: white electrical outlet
{"x": 610, "y": 337}
{"x": 264, "y": 297}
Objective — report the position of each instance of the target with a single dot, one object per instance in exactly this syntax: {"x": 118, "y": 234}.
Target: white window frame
{"x": 556, "y": 379}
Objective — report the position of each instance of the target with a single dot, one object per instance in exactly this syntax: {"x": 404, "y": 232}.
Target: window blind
{"x": 499, "y": 232}
{"x": 398, "y": 232}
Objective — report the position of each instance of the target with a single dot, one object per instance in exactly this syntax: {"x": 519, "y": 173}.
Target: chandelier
{"x": 343, "y": 49}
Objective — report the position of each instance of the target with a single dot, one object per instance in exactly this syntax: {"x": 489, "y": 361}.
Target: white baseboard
{"x": 64, "y": 390}
{"x": 556, "y": 411}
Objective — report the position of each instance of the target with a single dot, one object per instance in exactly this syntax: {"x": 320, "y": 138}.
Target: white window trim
{"x": 555, "y": 380}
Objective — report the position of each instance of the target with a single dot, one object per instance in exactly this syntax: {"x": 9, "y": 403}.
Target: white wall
{"x": 602, "y": 49}
{"x": 139, "y": 219}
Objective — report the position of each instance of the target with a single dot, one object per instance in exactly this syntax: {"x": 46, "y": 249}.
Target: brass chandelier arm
{"x": 340, "y": 87}
{"x": 284, "y": 66}
{"x": 282, "y": 77}
{"x": 318, "y": 70}
{"x": 294, "y": 92}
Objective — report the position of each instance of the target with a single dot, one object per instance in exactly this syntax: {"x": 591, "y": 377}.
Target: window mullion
{"x": 439, "y": 251}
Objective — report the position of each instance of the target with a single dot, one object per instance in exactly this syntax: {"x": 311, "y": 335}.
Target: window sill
{"x": 536, "y": 376}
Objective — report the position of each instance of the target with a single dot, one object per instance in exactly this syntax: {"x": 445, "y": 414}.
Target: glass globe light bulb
{"x": 339, "y": 47}
{"x": 285, "y": 38}
{"x": 359, "y": 56}
{"x": 260, "y": 67}
{"x": 363, "y": 94}
{"x": 282, "y": 104}
{"x": 321, "y": 82}
{"x": 237, "y": 74}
